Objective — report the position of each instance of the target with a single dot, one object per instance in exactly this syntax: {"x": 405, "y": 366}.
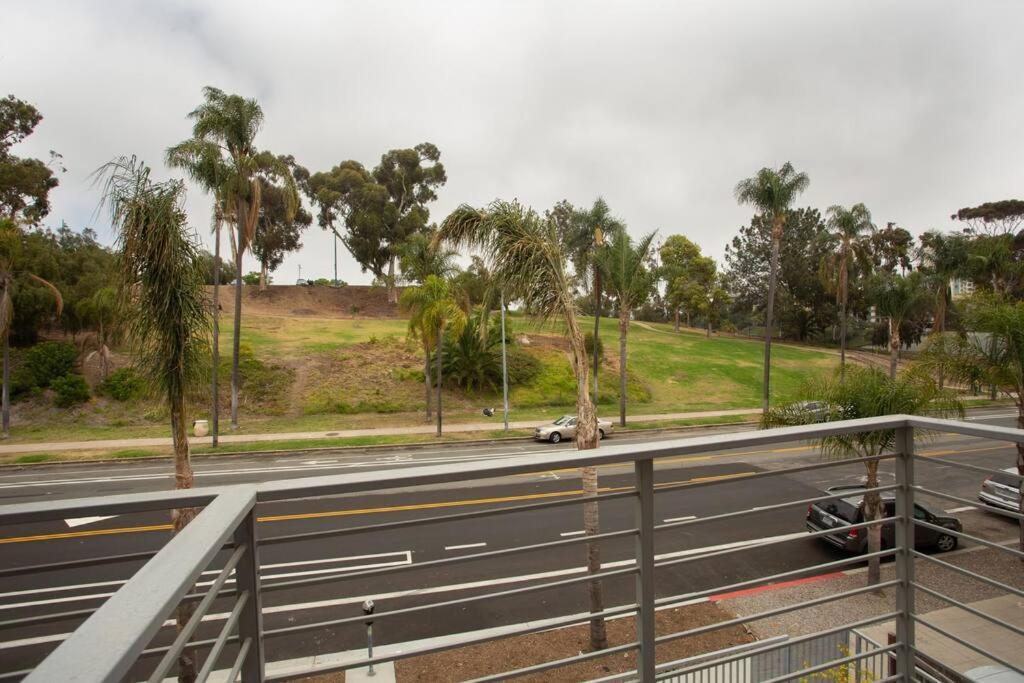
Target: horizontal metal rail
{"x": 978, "y": 504}
{"x": 966, "y": 643}
{"x": 965, "y": 428}
{"x": 585, "y": 578}
{"x": 121, "y": 504}
{"x": 967, "y": 572}
{"x": 776, "y": 506}
{"x": 546, "y": 626}
{"x": 968, "y": 537}
{"x": 835, "y": 663}
{"x": 773, "y": 612}
{"x": 197, "y": 616}
{"x": 769, "y": 544}
{"x": 572, "y": 498}
{"x": 966, "y": 466}
{"x": 854, "y": 559}
{"x": 76, "y": 564}
{"x": 967, "y": 608}
{"x": 222, "y": 638}
{"x": 554, "y": 664}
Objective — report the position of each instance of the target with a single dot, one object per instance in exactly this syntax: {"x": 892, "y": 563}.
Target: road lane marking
{"x": 278, "y": 609}
{"x": 678, "y": 519}
{"x": 965, "y": 508}
{"x": 465, "y": 546}
{"x": 572, "y": 533}
{"x": 80, "y": 521}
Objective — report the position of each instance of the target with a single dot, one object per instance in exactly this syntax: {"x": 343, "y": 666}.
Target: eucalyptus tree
{"x": 278, "y": 231}
{"x": 677, "y": 257}
{"x": 868, "y": 392}
{"x": 851, "y": 228}
{"x": 331, "y": 193}
{"x": 586, "y": 237}
{"x": 898, "y": 298}
{"x": 12, "y": 276}
{"x": 528, "y": 255}
{"x": 772, "y": 192}
{"x": 432, "y": 307}
{"x": 991, "y": 353}
{"x": 631, "y": 282}
{"x": 166, "y": 313}
{"x": 222, "y": 157}
{"x": 25, "y": 184}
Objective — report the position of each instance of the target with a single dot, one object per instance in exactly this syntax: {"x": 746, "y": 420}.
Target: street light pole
{"x": 504, "y": 360}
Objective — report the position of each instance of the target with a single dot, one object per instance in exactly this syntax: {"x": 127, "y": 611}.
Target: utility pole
{"x": 504, "y": 360}
{"x": 440, "y": 347}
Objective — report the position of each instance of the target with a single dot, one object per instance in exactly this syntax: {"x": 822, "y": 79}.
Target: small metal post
{"x": 250, "y": 623}
{"x": 504, "y": 361}
{"x": 440, "y": 351}
{"x": 645, "y": 633}
{"x": 904, "y": 552}
{"x": 368, "y": 607}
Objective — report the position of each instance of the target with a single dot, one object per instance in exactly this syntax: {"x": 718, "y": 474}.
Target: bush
{"x": 123, "y": 385}
{"x": 69, "y": 390}
{"x": 588, "y": 343}
{"x": 522, "y": 367}
{"x": 47, "y": 362}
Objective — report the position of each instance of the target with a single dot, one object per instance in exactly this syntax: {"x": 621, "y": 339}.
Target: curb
{"x": 414, "y": 445}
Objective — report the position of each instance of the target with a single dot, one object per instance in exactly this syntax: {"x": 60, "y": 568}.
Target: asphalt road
{"x": 72, "y": 589}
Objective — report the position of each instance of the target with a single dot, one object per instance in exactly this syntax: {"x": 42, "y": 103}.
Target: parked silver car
{"x": 1001, "y": 490}
{"x": 565, "y": 428}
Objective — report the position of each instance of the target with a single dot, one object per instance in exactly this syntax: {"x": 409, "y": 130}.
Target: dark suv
{"x": 844, "y": 511}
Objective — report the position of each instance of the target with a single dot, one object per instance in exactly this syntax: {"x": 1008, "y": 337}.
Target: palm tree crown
{"x": 772, "y": 192}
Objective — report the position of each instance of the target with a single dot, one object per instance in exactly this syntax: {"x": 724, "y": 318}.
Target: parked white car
{"x": 565, "y": 428}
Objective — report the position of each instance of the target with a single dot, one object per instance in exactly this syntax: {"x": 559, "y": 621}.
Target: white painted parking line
{"x": 464, "y": 546}
{"x": 679, "y": 519}
{"x": 965, "y": 508}
{"x": 572, "y": 533}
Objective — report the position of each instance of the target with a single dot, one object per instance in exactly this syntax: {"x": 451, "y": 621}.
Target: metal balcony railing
{"x": 115, "y": 640}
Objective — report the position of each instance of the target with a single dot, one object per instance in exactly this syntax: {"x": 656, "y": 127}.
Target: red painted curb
{"x": 774, "y": 586}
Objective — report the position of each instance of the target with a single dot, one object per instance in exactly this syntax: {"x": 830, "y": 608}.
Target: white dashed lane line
{"x": 465, "y": 546}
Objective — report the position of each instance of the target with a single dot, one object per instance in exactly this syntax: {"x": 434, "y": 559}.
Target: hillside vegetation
{"x": 313, "y": 359}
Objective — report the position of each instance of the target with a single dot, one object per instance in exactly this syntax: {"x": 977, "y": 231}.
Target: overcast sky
{"x": 915, "y": 108}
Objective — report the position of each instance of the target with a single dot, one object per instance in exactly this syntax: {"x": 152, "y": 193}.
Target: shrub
{"x": 522, "y": 367}
{"x": 69, "y": 390}
{"x": 470, "y": 362}
{"x": 123, "y": 385}
{"x": 588, "y": 343}
{"x": 47, "y": 362}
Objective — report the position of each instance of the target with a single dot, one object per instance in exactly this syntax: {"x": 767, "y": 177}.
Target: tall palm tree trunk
{"x": 873, "y": 511}
{"x": 183, "y": 479}
{"x": 440, "y": 366}
{"x": 6, "y": 398}
{"x": 773, "y": 276}
{"x": 215, "y": 394}
{"x": 597, "y": 326}
{"x": 623, "y": 334}
{"x": 426, "y": 382}
{"x": 243, "y": 211}
{"x": 843, "y": 296}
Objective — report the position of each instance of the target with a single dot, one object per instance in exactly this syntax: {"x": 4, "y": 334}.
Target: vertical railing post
{"x": 645, "y": 568}
{"x": 247, "y": 577}
{"x": 904, "y": 552}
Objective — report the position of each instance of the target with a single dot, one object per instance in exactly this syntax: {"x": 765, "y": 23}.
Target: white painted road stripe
{"x": 678, "y": 519}
{"x": 79, "y": 521}
{"x": 572, "y": 533}
{"x": 464, "y": 546}
{"x": 965, "y": 508}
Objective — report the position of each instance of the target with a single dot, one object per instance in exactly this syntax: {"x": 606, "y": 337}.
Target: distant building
{"x": 961, "y": 288}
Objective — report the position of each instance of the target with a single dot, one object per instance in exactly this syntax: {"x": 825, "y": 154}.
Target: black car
{"x": 850, "y": 510}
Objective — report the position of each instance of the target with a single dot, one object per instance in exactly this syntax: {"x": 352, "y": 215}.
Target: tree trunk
{"x": 392, "y": 294}
{"x": 773, "y": 276}
{"x": 894, "y": 348}
{"x": 243, "y": 211}
{"x": 426, "y": 381}
{"x": 440, "y": 365}
{"x": 587, "y": 438}
{"x": 623, "y": 335}
{"x": 843, "y": 295}
{"x": 708, "y": 328}
{"x": 183, "y": 479}
{"x": 873, "y": 511}
{"x": 675, "y": 325}
{"x": 215, "y": 394}
{"x": 597, "y": 324}
{"x": 263, "y": 277}
{"x": 6, "y": 391}
{"x": 940, "y": 327}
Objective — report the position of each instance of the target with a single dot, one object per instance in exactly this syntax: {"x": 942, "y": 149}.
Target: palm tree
{"x": 527, "y": 255}
{"x": 943, "y": 257}
{"x": 420, "y": 258}
{"x": 868, "y": 392}
{"x": 852, "y": 229}
{"x": 586, "y": 239}
{"x": 102, "y": 309}
{"x": 992, "y": 353}
{"x": 167, "y": 317}
{"x": 772, "y": 192}
{"x": 432, "y": 307}
{"x": 222, "y": 158}
{"x": 10, "y": 256}
{"x": 897, "y": 298}
{"x": 631, "y": 282}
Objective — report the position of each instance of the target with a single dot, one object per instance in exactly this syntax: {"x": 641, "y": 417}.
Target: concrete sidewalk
{"x": 225, "y": 439}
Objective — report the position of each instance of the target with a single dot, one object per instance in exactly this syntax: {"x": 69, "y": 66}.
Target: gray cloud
{"x": 913, "y": 108}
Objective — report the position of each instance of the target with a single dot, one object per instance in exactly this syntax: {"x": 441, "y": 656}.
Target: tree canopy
{"x": 25, "y": 184}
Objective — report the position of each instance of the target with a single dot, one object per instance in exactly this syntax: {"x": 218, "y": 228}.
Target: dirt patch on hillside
{"x": 353, "y": 301}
